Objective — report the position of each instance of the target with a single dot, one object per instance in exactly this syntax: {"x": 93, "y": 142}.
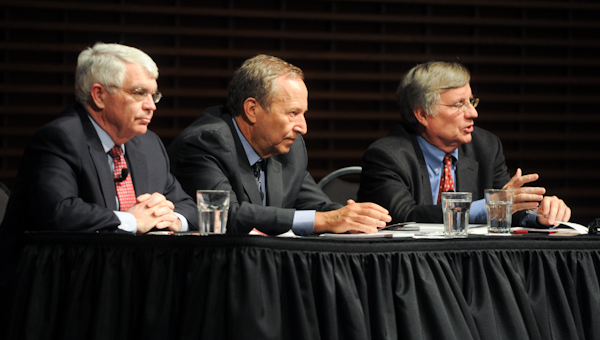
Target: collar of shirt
{"x": 434, "y": 158}
{"x": 107, "y": 142}
{"x": 252, "y": 156}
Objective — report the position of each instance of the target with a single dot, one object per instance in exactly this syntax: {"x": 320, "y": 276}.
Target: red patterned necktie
{"x": 446, "y": 183}
{"x": 125, "y": 191}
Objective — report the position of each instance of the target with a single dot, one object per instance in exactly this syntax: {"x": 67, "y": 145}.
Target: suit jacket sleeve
{"x": 395, "y": 174}
{"x": 207, "y": 160}
{"x": 392, "y": 177}
{"x": 49, "y": 191}
{"x": 163, "y": 181}
{"x": 208, "y": 156}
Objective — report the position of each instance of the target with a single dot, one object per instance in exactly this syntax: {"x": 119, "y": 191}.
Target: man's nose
{"x": 471, "y": 112}
{"x": 301, "y": 127}
{"x": 148, "y": 103}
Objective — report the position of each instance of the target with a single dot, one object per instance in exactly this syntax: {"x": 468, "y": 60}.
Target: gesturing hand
{"x": 524, "y": 197}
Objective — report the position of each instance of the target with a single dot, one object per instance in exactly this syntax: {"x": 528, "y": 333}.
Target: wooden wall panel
{"x": 535, "y": 68}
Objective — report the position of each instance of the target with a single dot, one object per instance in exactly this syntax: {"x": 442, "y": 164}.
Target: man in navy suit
{"x": 67, "y": 179}
{"x": 402, "y": 171}
{"x": 253, "y": 147}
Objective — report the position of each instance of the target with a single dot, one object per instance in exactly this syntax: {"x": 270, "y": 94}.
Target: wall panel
{"x": 534, "y": 65}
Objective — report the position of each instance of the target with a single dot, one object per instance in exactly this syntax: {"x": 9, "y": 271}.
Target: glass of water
{"x": 213, "y": 206}
{"x": 498, "y": 206}
{"x": 456, "y": 206}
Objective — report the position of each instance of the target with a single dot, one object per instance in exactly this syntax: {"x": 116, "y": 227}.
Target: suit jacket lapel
{"x": 425, "y": 194}
{"x": 137, "y": 164}
{"x": 100, "y": 160}
{"x": 466, "y": 172}
{"x": 274, "y": 183}
{"x": 246, "y": 173}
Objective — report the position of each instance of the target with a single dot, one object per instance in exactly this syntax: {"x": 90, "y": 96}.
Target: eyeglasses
{"x": 463, "y": 106}
{"x": 140, "y": 93}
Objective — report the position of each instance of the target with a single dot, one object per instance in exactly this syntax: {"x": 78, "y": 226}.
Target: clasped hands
{"x": 154, "y": 210}
{"x": 551, "y": 209}
{"x": 353, "y": 218}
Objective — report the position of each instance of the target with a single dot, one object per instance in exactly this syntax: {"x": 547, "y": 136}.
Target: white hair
{"x": 107, "y": 64}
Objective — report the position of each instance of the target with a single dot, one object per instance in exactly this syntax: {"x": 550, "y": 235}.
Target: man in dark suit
{"x": 253, "y": 147}
{"x": 403, "y": 171}
{"x": 67, "y": 179}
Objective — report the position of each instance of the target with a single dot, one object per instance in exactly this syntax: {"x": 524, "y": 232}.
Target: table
{"x": 118, "y": 286}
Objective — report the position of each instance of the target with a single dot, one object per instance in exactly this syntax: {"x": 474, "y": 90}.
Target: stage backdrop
{"x": 535, "y": 68}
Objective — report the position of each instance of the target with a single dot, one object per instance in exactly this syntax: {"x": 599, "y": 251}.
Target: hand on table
{"x": 553, "y": 210}
{"x": 354, "y": 218}
{"x": 154, "y": 211}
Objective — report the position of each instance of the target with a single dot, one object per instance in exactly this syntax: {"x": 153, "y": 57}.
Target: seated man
{"x": 437, "y": 139}
{"x": 253, "y": 147}
{"x": 95, "y": 167}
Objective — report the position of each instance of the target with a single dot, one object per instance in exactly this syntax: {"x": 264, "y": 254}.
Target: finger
{"x": 563, "y": 213}
{"x": 522, "y": 198}
{"x": 162, "y": 212}
{"x": 567, "y": 215}
{"x": 162, "y": 225}
{"x": 350, "y": 201}
{"x": 156, "y": 199}
{"x": 143, "y": 197}
{"x": 372, "y": 207}
{"x": 524, "y": 206}
{"x": 527, "y": 179}
{"x": 509, "y": 185}
{"x": 354, "y": 219}
{"x": 375, "y": 214}
{"x": 376, "y": 220}
{"x": 530, "y": 190}
{"x": 518, "y": 183}
{"x": 355, "y": 228}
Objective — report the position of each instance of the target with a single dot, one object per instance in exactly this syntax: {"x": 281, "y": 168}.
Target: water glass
{"x": 456, "y": 206}
{"x": 498, "y": 206}
{"x": 213, "y": 206}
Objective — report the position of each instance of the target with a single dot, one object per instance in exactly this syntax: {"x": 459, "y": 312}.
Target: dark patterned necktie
{"x": 257, "y": 168}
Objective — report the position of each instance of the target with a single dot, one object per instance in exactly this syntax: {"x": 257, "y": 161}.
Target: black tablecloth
{"x": 115, "y": 286}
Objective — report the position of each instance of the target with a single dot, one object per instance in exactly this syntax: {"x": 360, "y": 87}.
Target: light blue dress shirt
{"x": 128, "y": 221}
{"x": 304, "y": 220}
{"x": 434, "y": 158}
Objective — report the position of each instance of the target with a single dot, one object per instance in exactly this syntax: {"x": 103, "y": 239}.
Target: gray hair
{"x": 421, "y": 87}
{"x": 256, "y": 78}
{"x": 107, "y": 64}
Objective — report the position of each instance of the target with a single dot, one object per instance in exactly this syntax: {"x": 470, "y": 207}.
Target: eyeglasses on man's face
{"x": 463, "y": 106}
{"x": 140, "y": 93}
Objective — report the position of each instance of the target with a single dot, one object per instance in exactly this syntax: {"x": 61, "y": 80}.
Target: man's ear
{"x": 250, "y": 107}
{"x": 98, "y": 94}
{"x": 421, "y": 116}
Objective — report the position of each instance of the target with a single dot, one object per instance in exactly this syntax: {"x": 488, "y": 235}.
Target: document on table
{"x": 407, "y": 229}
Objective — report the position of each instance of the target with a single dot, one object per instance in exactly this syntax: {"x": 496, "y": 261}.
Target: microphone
{"x": 124, "y": 174}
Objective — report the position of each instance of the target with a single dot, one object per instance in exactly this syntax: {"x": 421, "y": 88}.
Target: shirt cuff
{"x": 128, "y": 222}
{"x": 184, "y": 222}
{"x": 531, "y": 221}
{"x": 477, "y": 214}
{"x": 304, "y": 222}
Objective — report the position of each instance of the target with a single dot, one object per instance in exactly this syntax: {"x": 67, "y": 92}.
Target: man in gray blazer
{"x": 67, "y": 179}
{"x": 403, "y": 170}
{"x": 253, "y": 147}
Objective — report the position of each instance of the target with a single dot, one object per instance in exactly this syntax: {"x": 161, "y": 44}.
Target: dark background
{"x": 535, "y": 67}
